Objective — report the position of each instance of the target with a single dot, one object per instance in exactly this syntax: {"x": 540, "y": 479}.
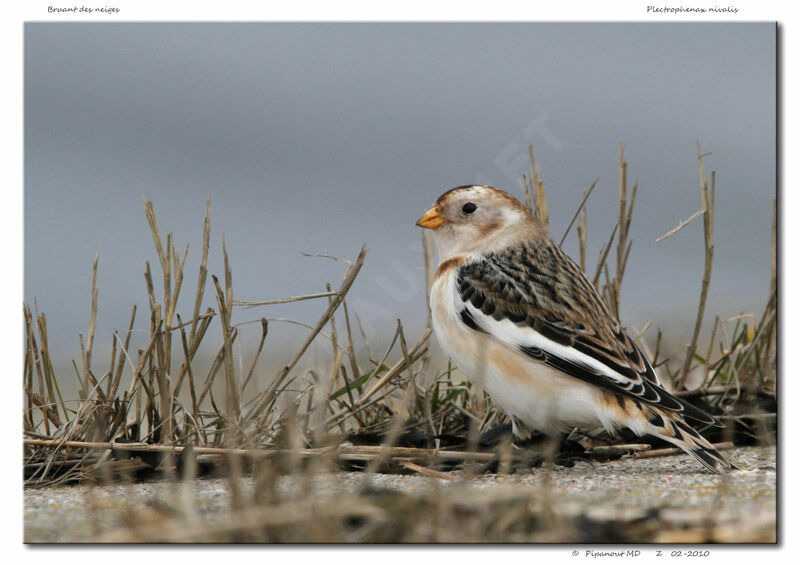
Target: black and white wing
{"x": 536, "y": 300}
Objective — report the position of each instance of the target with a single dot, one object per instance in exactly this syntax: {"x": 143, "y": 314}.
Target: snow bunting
{"x": 523, "y": 322}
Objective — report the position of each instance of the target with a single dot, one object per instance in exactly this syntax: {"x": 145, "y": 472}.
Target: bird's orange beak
{"x": 431, "y": 220}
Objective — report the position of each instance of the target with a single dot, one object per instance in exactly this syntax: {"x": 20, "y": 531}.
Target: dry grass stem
{"x": 707, "y": 198}
{"x": 288, "y": 299}
{"x": 539, "y": 194}
{"x": 580, "y": 209}
{"x": 724, "y": 446}
{"x": 681, "y": 225}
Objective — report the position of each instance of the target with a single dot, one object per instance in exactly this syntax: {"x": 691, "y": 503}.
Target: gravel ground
{"x": 614, "y": 490}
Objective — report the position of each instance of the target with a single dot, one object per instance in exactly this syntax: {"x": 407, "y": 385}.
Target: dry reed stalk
{"x": 430, "y": 269}
{"x": 334, "y": 377}
{"x": 27, "y": 375}
{"x": 338, "y": 368}
{"x": 707, "y": 199}
{"x": 428, "y": 472}
{"x": 192, "y": 390}
{"x": 709, "y": 351}
{"x": 194, "y": 339}
{"x": 87, "y": 352}
{"x": 613, "y": 287}
{"x": 404, "y": 351}
{"x": 526, "y": 188}
{"x": 539, "y": 194}
{"x": 251, "y": 371}
{"x": 172, "y": 267}
{"x": 225, "y": 303}
{"x": 619, "y": 449}
{"x": 379, "y": 364}
{"x": 415, "y": 353}
{"x": 681, "y": 225}
{"x": 114, "y": 386}
{"x": 385, "y": 452}
{"x": 325, "y": 256}
{"x": 603, "y": 257}
{"x": 705, "y": 391}
{"x": 743, "y": 354}
{"x": 193, "y": 345}
{"x": 637, "y": 340}
{"x": 37, "y": 399}
{"x": 172, "y": 264}
{"x": 338, "y": 418}
{"x": 351, "y": 350}
{"x": 623, "y": 231}
{"x": 288, "y": 299}
{"x": 581, "y": 208}
{"x": 214, "y": 369}
{"x": 164, "y": 394}
{"x": 266, "y": 397}
{"x": 332, "y": 323}
{"x": 156, "y": 363}
{"x": 89, "y": 380}
{"x": 202, "y": 318}
{"x": 583, "y": 231}
{"x": 772, "y": 302}
{"x": 151, "y": 295}
{"x": 50, "y": 380}
{"x": 724, "y": 446}
{"x": 358, "y": 452}
{"x": 177, "y": 266}
{"x": 145, "y": 356}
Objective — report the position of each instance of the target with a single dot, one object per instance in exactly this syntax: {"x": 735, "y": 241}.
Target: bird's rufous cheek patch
{"x": 486, "y": 229}
{"x": 447, "y": 265}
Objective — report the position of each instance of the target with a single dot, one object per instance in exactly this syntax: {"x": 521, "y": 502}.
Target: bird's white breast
{"x": 542, "y": 397}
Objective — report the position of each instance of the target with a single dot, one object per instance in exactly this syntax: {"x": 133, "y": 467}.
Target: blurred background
{"x": 319, "y": 138}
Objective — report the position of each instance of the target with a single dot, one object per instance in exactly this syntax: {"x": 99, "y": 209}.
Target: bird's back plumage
{"x": 544, "y": 293}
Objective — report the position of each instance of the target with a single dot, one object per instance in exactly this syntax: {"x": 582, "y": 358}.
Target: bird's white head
{"x": 476, "y": 219}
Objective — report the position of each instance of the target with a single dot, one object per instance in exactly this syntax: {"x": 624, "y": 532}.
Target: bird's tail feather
{"x": 672, "y": 428}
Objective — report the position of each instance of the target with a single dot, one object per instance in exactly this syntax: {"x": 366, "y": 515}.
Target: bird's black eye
{"x": 469, "y": 208}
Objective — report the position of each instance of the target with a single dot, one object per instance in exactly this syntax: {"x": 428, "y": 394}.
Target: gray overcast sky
{"x": 321, "y": 137}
